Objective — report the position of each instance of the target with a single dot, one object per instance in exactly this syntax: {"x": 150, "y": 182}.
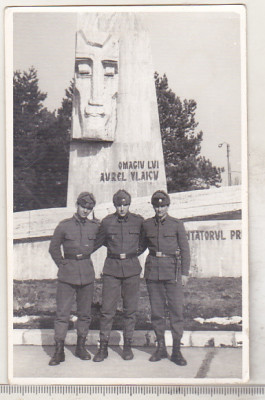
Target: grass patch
{"x": 204, "y": 297}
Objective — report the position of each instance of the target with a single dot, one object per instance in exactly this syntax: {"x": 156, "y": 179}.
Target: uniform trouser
{"x": 160, "y": 293}
{"x": 64, "y": 300}
{"x": 113, "y": 288}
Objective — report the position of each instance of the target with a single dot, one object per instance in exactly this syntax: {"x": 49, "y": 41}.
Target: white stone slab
{"x": 40, "y": 337}
{"x": 238, "y": 339}
{"x": 212, "y": 338}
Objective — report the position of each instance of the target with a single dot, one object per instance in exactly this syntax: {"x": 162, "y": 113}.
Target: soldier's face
{"x": 161, "y": 211}
{"x": 83, "y": 212}
{"x": 122, "y": 210}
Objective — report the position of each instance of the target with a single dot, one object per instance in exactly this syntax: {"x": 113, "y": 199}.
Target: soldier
{"x": 75, "y": 275}
{"x": 120, "y": 233}
{"x": 166, "y": 238}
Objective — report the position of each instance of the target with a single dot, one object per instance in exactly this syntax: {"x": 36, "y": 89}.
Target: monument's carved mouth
{"x": 94, "y": 113}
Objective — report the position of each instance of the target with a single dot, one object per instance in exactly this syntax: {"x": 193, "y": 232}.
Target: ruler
{"x": 29, "y": 392}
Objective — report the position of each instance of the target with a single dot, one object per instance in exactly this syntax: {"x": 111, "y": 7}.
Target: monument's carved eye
{"x": 84, "y": 68}
{"x": 110, "y": 67}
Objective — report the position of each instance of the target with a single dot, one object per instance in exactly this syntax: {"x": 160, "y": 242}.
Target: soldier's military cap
{"x": 121, "y": 197}
{"x": 160, "y": 198}
{"x": 86, "y": 199}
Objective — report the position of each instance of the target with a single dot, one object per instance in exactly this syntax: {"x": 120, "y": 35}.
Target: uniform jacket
{"x": 167, "y": 236}
{"x": 120, "y": 236}
{"x": 76, "y": 237}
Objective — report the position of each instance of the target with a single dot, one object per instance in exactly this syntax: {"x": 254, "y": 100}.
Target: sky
{"x": 200, "y": 52}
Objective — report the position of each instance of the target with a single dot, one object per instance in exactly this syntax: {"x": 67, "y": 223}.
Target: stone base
{"x": 45, "y": 337}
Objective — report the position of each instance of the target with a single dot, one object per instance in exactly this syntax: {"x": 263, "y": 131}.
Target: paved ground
{"x": 32, "y": 362}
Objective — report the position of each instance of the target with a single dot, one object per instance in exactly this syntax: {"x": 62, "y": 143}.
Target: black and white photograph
{"x": 127, "y": 194}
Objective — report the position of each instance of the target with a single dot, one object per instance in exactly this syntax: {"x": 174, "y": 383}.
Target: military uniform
{"x": 75, "y": 270}
{"x": 121, "y": 271}
{"x": 168, "y": 260}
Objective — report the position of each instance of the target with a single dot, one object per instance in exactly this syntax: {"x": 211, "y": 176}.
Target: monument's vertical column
{"x": 116, "y": 141}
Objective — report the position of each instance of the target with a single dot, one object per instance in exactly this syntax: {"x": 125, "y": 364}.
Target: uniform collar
{"x": 79, "y": 219}
{"x": 159, "y": 220}
{"x": 120, "y": 219}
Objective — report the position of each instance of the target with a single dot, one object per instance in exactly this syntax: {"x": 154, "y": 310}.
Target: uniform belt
{"x": 122, "y": 256}
{"x": 160, "y": 254}
{"x": 77, "y": 256}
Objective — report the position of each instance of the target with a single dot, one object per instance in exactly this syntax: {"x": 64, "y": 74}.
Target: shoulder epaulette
{"x": 148, "y": 219}
{"x": 109, "y": 216}
{"x": 66, "y": 220}
{"x": 137, "y": 215}
{"x": 173, "y": 218}
{"x": 94, "y": 221}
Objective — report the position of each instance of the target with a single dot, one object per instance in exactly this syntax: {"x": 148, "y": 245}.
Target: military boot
{"x": 102, "y": 351}
{"x": 59, "y": 355}
{"x": 127, "y": 353}
{"x": 161, "y": 350}
{"x": 176, "y": 356}
{"x": 80, "y": 350}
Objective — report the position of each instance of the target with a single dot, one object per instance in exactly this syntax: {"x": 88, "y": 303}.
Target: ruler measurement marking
{"x": 131, "y": 390}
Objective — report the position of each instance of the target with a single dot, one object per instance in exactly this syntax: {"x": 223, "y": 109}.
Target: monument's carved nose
{"x": 96, "y": 96}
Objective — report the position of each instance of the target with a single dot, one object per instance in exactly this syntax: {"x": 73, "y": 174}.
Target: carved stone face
{"x": 96, "y": 85}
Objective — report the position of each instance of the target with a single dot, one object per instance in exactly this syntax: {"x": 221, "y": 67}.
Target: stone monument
{"x": 116, "y": 140}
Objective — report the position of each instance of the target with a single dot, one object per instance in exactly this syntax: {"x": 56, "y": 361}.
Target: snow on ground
{"x": 220, "y": 320}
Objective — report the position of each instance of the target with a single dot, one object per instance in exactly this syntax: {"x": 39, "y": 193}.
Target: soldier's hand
{"x": 184, "y": 279}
